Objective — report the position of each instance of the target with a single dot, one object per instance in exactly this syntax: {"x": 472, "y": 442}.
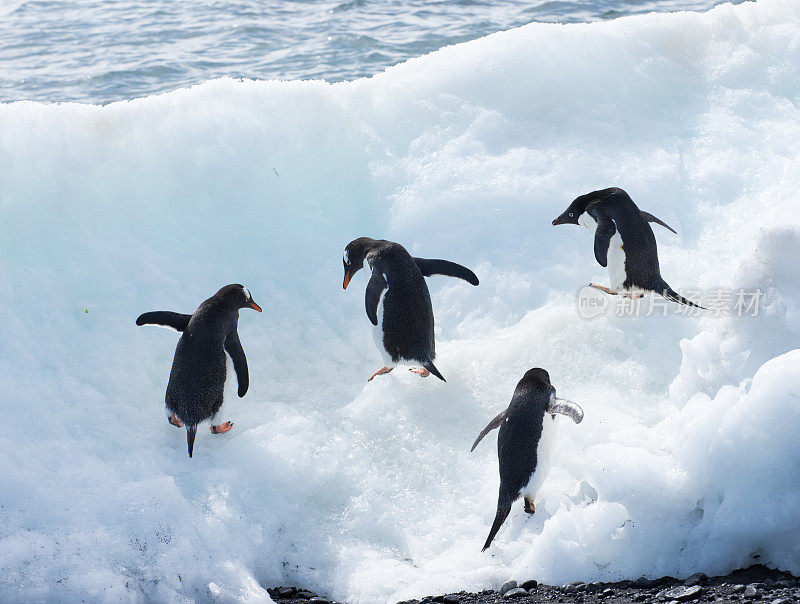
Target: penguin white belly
{"x": 616, "y": 255}
{"x": 377, "y": 334}
{"x": 544, "y": 453}
{"x": 616, "y": 263}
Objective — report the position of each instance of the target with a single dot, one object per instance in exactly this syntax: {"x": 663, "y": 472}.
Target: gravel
{"x": 757, "y": 584}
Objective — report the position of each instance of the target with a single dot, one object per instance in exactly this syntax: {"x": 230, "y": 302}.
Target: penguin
{"x": 197, "y": 380}
{"x": 398, "y": 302}
{"x": 623, "y": 241}
{"x": 525, "y": 442}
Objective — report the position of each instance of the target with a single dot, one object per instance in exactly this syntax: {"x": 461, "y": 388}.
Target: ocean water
{"x": 687, "y": 460}
{"x": 109, "y": 50}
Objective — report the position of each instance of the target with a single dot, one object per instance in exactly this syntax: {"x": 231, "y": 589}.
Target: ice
{"x": 687, "y": 459}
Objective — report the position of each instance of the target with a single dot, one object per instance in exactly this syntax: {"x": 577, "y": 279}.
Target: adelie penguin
{"x": 623, "y": 242}
{"x": 197, "y": 380}
{"x": 525, "y": 442}
{"x": 398, "y": 302}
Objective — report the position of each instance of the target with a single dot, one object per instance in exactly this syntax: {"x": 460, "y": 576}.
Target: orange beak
{"x": 347, "y": 277}
{"x": 255, "y": 306}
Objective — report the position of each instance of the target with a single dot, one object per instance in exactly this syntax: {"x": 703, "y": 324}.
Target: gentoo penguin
{"x": 525, "y": 441}
{"x": 623, "y": 241}
{"x": 197, "y": 379}
{"x": 397, "y": 300}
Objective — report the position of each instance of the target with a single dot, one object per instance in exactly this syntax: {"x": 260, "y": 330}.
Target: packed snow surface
{"x": 688, "y": 457}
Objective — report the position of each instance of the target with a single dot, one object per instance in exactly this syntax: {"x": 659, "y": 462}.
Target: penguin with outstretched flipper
{"x": 623, "y": 242}
{"x": 525, "y": 442}
{"x": 397, "y": 300}
{"x": 197, "y": 380}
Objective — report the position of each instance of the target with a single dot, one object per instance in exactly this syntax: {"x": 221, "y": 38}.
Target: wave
{"x": 368, "y": 492}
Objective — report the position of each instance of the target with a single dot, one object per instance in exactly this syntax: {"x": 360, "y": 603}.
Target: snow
{"x": 687, "y": 459}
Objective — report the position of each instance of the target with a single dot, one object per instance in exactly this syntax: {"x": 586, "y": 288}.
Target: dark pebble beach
{"x": 754, "y": 584}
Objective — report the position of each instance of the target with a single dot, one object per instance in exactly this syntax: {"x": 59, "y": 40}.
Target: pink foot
{"x": 380, "y": 371}
{"x": 603, "y": 288}
{"x": 421, "y": 372}
{"x": 222, "y": 428}
{"x": 173, "y": 419}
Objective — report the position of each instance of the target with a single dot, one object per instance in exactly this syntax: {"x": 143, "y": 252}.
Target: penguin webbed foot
{"x": 380, "y": 371}
{"x": 529, "y": 507}
{"x": 603, "y": 288}
{"x": 173, "y": 419}
{"x": 420, "y": 371}
{"x": 221, "y": 428}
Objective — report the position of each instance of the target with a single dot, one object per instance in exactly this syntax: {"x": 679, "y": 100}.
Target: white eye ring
{"x": 570, "y": 214}
{"x": 346, "y": 257}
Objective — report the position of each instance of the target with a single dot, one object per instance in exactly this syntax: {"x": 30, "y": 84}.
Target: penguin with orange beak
{"x": 397, "y": 300}
{"x": 197, "y": 380}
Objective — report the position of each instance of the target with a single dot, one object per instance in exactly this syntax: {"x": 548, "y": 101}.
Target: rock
{"x": 507, "y": 586}
{"x": 285, "y": 592}
{"x": 682, "y": 593}
{"x": 643, "y": 582}
{"x": 569, "y": 589}
{"x": 517, "y": 592}
{"x": 737, "y": 589}
{"x": 451, "y": 599}
{"x": 608, "y": 592}
{"x": 696, "y": 579}
{"x": 532, "y": 584}
{"x": 318, "y": 600}
{"x": 580, "y": 586}
{"x": 751, "y": 592}
{"x": 640, "y": 597}
{"x": 305, "y": 594}
{"x": 780, "y": 601}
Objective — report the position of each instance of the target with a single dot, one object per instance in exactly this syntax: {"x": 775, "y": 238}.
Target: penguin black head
{"x": 537, "y": 374}
{"x": 236, "y": 296}
{"x": 354, "y": 255}
{"x": 578, "y": 207}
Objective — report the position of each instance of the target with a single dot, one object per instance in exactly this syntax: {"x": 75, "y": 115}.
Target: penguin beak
{"x": 254, "y": 306}
{"x": 347, "y": 277}
{"x": 558, "y": 221}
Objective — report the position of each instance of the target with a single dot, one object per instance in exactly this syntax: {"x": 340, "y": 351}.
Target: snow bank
{"x": 687, "y": 459}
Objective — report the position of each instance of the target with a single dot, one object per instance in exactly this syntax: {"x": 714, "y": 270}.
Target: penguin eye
{"x": 570, "y": 214}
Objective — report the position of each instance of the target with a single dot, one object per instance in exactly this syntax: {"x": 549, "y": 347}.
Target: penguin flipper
{"x": 164, "y": 318}
{"x": 495, "y": 423}
{"x": 503, "y": 508}
{"x": 372, "y": 297}
{"x": 602, "y": 239}
{"x": 430, "y": 267}
{"x": 235, "y": 350}
{"x": 650, "y": 218}
{"x": 565, "y": 407}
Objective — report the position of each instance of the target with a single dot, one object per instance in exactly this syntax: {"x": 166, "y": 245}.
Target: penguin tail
{"x": 503, "y": 508}
{"x": 191, "y": 431}
{"x": 670, "y": 294}
{"x": 432, "y": 368}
